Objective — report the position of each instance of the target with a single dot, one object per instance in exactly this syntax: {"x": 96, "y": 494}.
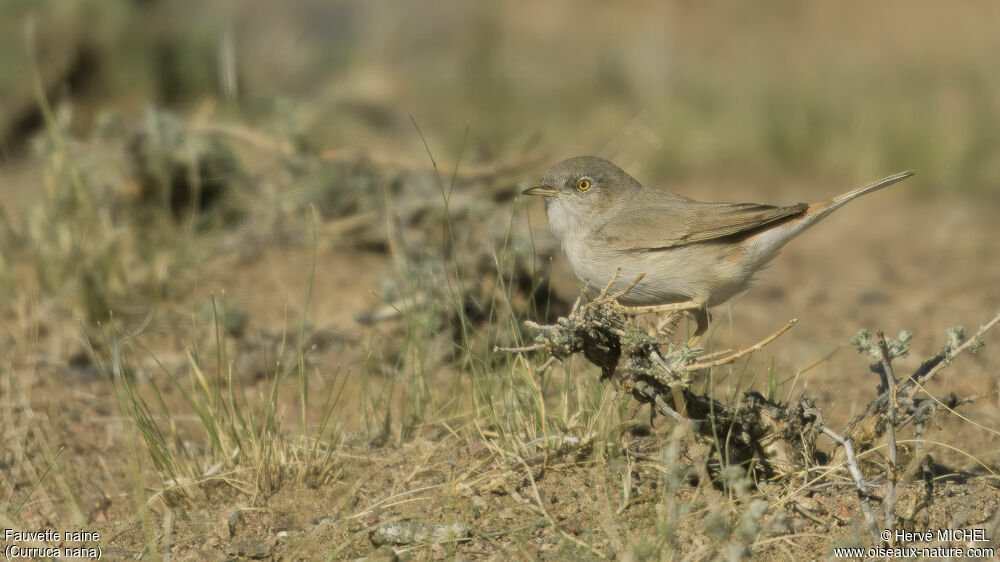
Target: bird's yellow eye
{"x": 583, "y": 184}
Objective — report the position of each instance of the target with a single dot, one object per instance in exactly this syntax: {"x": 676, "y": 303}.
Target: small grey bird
{"x": 693, "y": 255}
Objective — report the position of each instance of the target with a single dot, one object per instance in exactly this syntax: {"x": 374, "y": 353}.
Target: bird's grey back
{"x": 659, "y": 220}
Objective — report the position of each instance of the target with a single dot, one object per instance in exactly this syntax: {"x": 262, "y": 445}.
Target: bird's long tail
{"x": 818, "y": 211}
{"x": 875, "y": 186}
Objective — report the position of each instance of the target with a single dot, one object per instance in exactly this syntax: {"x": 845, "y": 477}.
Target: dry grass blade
{"x": 742, "y": 353}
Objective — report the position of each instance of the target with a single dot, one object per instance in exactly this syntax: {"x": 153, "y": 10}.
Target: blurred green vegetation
{"x": 149, "y": 106}
{"x": 779, "y": 89}
{"x": 162, "y": 138}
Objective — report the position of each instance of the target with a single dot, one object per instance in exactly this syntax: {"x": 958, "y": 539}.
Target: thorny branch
{"x": 864, "y": 494}
{"x": 889, "y": 383}
{"x": 780, "y": 438}
{"x": 871, "y": 424}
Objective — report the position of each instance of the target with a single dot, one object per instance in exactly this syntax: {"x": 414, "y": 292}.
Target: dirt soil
{"x": 310, "y": 269}
{"x": 887, "y": 262}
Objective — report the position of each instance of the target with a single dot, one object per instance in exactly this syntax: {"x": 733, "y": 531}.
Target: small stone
{"x": 197, "y": 555}
{"x": 571, "y": 526}
{"x": 250, "y": 548}
{"x": 282, "y": 524}
{"x": 843, "y": 513}
{"x": 409, "y": 532}
{"x": 229, "y": 524}
{"x": 478, "y": 506}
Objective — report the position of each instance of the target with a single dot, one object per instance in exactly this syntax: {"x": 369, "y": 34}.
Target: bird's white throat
{"x": 561, "y": 220}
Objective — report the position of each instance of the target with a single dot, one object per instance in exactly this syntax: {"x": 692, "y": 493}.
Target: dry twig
{"x": 889, "y": 382}
{"x": 780, "y": 438}
{"x": 742, "y": 353}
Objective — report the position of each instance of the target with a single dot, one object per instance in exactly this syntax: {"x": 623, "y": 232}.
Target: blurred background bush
{"x": 232, "y": 176}
{"x": 669, "y": 90}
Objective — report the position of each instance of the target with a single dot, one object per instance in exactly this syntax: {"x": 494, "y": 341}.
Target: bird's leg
{"x": 661, "y": 308}
{"x": 695, "y": 308}
{"x": 667, "y": 324}
{"x": 702, "y": 318}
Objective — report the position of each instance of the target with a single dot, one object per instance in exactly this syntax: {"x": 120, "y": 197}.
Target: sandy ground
{"x": 889, "y": 261}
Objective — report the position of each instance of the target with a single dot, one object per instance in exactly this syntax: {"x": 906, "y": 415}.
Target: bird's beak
{"x": 542, "y": 191}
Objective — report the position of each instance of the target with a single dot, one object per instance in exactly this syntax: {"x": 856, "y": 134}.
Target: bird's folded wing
{"x": 671, "y": 220}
